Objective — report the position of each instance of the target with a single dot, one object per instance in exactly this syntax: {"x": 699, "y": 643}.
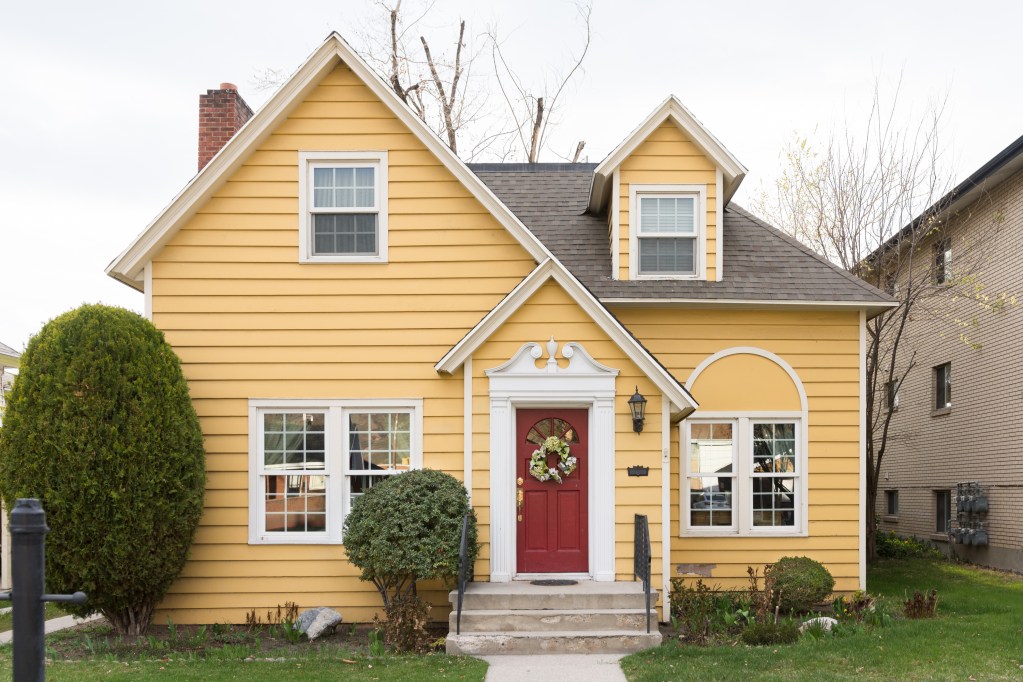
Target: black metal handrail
{"x": 641, "y": 560}
{"x": 463, "y": 571}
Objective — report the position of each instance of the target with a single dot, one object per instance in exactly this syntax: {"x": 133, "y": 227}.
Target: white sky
{"x": 98, "y": 123}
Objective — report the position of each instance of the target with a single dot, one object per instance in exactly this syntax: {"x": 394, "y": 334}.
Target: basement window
{"x": 342, "y": 207}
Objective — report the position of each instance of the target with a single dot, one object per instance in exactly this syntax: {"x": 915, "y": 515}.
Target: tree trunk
{"x": 133, "y": 620}
{"x": 871, "y": 515}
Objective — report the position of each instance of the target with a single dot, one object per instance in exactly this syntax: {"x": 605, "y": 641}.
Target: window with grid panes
{"x": 312, "y": 463}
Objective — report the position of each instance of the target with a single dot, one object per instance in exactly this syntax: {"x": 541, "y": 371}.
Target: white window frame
{"x": 699, "y": 193}
{"x": 742, "y": 494}
{"x": 336, "y": 465}
{"x": 310, "y": 160}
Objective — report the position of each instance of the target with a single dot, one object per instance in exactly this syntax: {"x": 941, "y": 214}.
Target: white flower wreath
{"x": 567, "y": 463}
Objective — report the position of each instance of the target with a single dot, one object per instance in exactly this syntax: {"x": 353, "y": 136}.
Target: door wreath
{"x": 541, "y": 471}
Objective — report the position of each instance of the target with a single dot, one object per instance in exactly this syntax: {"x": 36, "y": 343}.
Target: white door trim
{"x": 583, "y": 383}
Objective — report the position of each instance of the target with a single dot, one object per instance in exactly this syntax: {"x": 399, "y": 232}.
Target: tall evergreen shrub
{"x": 101, "y": 428}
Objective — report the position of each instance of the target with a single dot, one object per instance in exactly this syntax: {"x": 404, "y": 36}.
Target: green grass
{"x": 225, "y": 665}
{"x": 978, "y": 634}
{"x": 52, "y": 611}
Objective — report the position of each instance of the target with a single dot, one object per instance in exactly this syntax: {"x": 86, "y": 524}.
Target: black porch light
{"x": 637, "y": 405}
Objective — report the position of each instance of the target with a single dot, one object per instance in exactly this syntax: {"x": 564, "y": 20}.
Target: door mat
{"x": 553, "y": 583}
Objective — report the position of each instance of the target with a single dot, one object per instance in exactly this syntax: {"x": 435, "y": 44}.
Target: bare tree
{"x": 532, "y": 110}
{"x": 876, "y": 202}
{"x": 420, "y": 78}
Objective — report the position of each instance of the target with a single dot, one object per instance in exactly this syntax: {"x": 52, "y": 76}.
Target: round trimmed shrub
{"x": 408, "y": 528}
{"x": 101, "y": 429}
{"x": 800, "y": 583}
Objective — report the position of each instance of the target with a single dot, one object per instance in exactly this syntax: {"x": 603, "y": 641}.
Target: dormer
{"x": 664, "y": 189}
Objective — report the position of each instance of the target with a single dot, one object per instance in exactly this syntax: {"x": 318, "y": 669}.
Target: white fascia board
{"x": 672, "y": 109}
{"x": 872, "y": 309}
{"x": 127, "y": 267}
{"x": 453, "y": 359}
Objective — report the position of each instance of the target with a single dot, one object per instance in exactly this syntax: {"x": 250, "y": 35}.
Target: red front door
{"x": 552, "y": 520}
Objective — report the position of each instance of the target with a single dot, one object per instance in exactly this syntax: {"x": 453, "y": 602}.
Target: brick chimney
{"x": 222, "y": 113}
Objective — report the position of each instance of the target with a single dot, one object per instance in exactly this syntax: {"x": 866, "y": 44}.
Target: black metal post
{"x": 28, "y": 576}
{"x": 28, "y": 561}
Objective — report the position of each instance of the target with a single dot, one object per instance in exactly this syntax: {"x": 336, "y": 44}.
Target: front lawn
{"x": 978, "y": 635}
{"x": 225, "y": 652}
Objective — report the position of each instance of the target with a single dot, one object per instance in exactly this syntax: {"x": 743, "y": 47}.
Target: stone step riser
{"x": 551, "y": 621}
{"x": 502, "y": 643}
{"x": 556, "y": 602}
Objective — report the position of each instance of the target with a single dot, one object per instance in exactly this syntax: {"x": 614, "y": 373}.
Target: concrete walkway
{"x": 53, "y": 625}
{"x": 560, "y": 667}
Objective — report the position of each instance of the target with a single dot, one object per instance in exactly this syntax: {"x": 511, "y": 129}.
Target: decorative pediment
{"x": 524, "y": 362}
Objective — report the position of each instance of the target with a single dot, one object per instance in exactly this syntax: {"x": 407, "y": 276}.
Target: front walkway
{"x": 560, "y": 667}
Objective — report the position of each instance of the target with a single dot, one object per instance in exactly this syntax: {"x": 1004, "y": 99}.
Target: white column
{"x": 602, "y": 507}
{"x": 502, "y": 520}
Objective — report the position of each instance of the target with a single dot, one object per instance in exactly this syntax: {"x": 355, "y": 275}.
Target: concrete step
{"x": 551, "y": 620}
{"x": 523, "y": 595}
{"x": 565, "y": 642}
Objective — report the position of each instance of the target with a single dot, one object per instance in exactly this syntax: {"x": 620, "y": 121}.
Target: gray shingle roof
{"x": 7, "y": 350}
{"x": 760, "y": 262}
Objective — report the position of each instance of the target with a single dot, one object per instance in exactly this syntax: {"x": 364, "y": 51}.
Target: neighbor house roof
{"x": 761, "y": 263}
{"x": 998, "y": 168}
{"x": 8, "y": 356}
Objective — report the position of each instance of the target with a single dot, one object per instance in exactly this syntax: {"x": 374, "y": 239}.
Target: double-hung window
{"x": 343, "y": 206}
{"x": 943, "y": 261}
{"x": 668, "y": 238}
{"x": 744, "y": 476}
{"x": 943, "y": 387}
{"x": 310, "y": 460}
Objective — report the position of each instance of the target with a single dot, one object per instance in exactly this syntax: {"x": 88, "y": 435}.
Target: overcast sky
{"x": 98, "y": 124}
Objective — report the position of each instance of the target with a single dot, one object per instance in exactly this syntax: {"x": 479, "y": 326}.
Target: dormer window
{"x": 669, "y": 236}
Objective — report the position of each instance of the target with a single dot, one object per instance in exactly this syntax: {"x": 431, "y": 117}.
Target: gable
{"x": 667, "y": 159}
{"x": 129, "y": 266}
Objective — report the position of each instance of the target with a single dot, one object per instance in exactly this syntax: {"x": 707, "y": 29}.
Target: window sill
{"x": 942, "y": 411}
{"x": 691, "y": 533}
{"x": 888, "y": 518}
{"x": 342, "y": 259}
{"x": 939, "y": 537}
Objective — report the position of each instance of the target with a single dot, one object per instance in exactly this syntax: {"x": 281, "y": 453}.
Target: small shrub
{"x": 405, "y": 628}
{"x": 766, "y": 634}
{"x": 699, "y": 611}
{"x": 761, "y": 601}
{"x": 408, "y": 528}
{"x": 800, "y": 583}
{"x": 376, "y": 642}
{"x": 891, "y": 546}
{"x": 920, "y": 605}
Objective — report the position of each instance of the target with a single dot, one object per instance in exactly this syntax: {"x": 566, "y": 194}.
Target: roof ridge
{"x": 792, "y": 241}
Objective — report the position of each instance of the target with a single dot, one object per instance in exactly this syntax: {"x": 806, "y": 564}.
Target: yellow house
{"x": 350, "y": 300}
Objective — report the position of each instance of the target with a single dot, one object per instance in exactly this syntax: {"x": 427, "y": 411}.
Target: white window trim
{"x": 742, "y": 504}
{"x": 307, "y": 161}
{"x": 700, "y": 255}
{"x": 336, "y": 461}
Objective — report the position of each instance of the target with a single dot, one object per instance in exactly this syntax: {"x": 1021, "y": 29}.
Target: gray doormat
{"x": 553, "y": 583}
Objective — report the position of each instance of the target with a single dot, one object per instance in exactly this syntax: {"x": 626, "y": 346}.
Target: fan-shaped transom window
{"x": 552, "y": 426}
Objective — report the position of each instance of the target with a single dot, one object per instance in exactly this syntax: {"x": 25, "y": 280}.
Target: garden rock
{"x": 822, "y": 622}
{"x": 315, "y": 622}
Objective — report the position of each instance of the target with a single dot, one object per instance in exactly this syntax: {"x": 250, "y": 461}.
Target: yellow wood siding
{"x": 249, "y": 321}
{"x": 668, "y": 156}
{"x": 551, "y": 312}
{"x": 822, "y": 348}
